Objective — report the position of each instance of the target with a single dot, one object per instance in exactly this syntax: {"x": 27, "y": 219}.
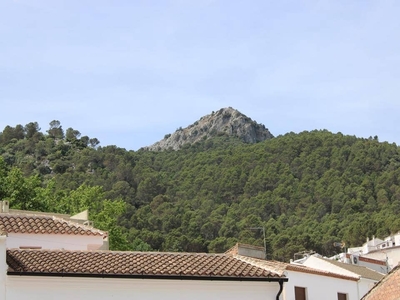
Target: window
{"x": 299, "y": 293}
{"x": 341, "y": 296}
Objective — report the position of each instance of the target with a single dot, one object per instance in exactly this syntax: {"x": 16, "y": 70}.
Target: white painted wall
{"x": 376, "y": 267}
{"x": 363, "y": 284}
{"x": 3, "y": 267}
{"x": 396, "y": 239}
{"x": 343, "y": 257}
{"x": 66, "y": 288}
{"x": 54, "y": 241}
{"x": 319, "y": 287}
{"x": 391, "y": 254}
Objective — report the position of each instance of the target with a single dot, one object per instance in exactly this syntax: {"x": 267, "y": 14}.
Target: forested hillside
{"x": 308, "y": 190}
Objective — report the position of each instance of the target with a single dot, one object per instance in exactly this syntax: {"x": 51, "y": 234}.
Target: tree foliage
{"x": 307, "y": 190}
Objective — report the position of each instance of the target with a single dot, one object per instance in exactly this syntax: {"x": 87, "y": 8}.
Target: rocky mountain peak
{"x": 226, "y": 121}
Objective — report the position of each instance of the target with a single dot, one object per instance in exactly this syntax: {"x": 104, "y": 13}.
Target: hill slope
{"x": 226, "y": 121}
{"x": 307, "y": 190}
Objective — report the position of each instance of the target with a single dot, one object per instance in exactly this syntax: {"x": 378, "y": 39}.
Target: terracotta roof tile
{"x": 31, "y": 262}
{"x": 40, "y": 224}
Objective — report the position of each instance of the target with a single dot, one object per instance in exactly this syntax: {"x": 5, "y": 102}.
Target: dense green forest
{"x": 308, "y": 190}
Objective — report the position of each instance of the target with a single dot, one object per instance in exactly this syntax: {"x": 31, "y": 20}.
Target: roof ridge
{"x": 13, "y": 214}
{"x": 126, "y": 252}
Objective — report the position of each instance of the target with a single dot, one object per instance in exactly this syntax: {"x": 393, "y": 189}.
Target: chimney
{"x": 5, "y": 206}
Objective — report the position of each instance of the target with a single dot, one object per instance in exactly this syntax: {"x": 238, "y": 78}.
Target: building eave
{"x": 146, "y": 276}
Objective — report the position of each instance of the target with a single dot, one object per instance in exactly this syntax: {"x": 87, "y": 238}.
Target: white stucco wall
{"x": 376, "y": 267}
{"x": 396, "y": 239}
{"x": 391, "y": 254}
{"x": 54, "y": 241}
{"x": 3, "y": 267}
{"x": 319, "y": 287}
{"x": 66, "y": 288}
{"x": 373, "y": 266}
{"x": 348, "y": 259}
{"x": 363, "y": 284}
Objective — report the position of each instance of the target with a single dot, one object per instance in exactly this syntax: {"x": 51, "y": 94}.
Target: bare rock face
{"x": 226, "y": 121}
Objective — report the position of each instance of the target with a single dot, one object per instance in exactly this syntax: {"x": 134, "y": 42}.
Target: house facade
{"x": 305, "y": 283}
{"x": 366, "y": 278}
{"x": 64, "y": 274}
{"x": 387, "y": 250}
{"x": 308, "y": 285}
{"x": 36, "y": 230}
{"x": 49, "y": 256}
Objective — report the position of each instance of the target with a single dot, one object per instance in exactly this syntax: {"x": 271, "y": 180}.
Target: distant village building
{"x": 366, "y": 277}
{"x": 312, "y": 282}
{"x": 387, "y": 250}
{"x": 355, "y": 259}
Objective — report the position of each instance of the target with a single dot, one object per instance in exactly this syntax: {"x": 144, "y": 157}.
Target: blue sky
{"x": 129, "y": 72}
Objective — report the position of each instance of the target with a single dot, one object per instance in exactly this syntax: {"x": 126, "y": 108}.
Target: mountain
{"x": 226, "y": 121}
{"x": 306, "y": 191}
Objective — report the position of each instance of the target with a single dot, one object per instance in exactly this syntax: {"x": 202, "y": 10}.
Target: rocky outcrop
{"x": 226, "y": 121}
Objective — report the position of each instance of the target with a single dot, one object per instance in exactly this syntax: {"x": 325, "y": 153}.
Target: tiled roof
{"x": 360, "y": 270}
{"x": 269, "y": 265}
{"x": 133, "y": 264}
{"x": 386, "y": 289}
{"x": 281, "y": 267}
{"x": 43, "y": 224}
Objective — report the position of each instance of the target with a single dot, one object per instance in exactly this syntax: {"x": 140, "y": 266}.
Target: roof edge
{"x": 309, "y": 270}
{"x": 145, "y": 276}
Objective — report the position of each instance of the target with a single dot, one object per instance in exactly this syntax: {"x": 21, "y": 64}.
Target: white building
{"x": 377, "y": 265}
{"x": 95, "y": 275}
{"x": 43, "y": 256}
{"x": 387, "y": 250}
{"x": 305, "y": 283}
{"x": 366, "y": 278}
{"x": 37, "y": 230}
